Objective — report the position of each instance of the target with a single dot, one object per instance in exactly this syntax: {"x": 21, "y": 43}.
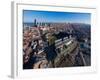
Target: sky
{"x": 50, "y": 16}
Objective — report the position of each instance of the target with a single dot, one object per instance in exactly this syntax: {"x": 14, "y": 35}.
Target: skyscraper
{"x": 35, "y": 23}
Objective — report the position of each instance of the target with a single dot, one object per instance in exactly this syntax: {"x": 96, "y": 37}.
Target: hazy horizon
{"x": 56, "y": 17}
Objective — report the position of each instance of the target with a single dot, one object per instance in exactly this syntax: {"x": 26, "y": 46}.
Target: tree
{"x": 51, "y": 40}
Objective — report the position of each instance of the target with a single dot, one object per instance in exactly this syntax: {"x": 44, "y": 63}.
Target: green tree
{"x": 51, "y": 40}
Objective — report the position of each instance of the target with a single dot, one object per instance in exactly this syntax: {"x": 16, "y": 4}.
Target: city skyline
{"x": 50, "y": 16}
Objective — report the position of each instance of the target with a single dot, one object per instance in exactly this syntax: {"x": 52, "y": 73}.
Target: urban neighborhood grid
{"x": 56, "y": 39}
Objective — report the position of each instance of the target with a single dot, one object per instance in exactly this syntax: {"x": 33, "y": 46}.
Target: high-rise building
{"x": 35, "y": 23}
